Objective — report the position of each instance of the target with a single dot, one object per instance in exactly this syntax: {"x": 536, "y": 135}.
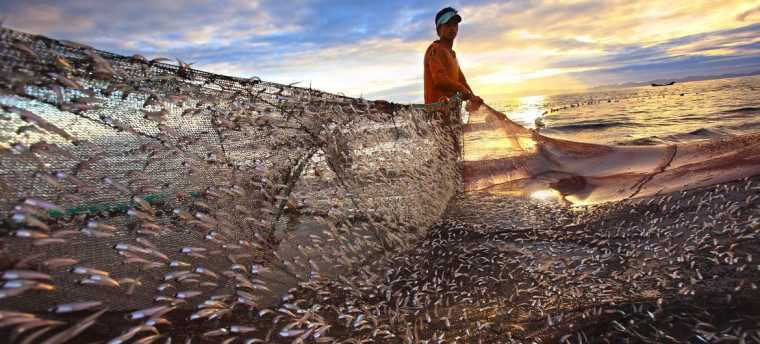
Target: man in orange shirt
{"x": 443, "y": 78}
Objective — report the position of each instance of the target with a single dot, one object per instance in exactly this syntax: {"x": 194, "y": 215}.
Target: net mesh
{"x": 504, "y": 157}
{"x": 119, "y": 171}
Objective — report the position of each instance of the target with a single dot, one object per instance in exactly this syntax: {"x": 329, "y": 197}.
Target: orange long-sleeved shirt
{"x": 443, "y": 78}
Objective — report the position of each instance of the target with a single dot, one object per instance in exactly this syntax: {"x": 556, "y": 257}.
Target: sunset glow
{"x": 546, "y": 195}
{"x": 375, "y": 50}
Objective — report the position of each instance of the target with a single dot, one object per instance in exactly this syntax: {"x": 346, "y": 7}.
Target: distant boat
{"x": 668, "y": 84}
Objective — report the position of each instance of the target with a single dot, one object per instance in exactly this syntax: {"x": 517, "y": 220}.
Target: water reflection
{"x": 529, "y": 110}
{"x": 647, "y": 115}
{"x": 546, "y": 195}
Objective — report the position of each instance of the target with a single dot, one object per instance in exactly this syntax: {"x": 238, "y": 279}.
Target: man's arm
{"x": 464, "y": 81}
{"x": 473, "y": 101}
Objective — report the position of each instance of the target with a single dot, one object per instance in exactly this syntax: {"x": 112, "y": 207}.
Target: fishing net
{"x": 503, "y": 156}
{"x": 128, "y": 182}
{"x": 146, "y": 201}
{"x": 651, "y": 250}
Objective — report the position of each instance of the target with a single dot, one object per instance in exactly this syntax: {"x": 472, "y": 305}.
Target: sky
{"x": 374, "y": 49}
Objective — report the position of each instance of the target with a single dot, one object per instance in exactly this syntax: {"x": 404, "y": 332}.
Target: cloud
{"x": 375, "y": 49}
{"x": 525, "y": 40}
{"x": 671, "y": 68}
{"x": 329, "y": 69}
{"x": 748, "y": 14}
{"x": 159, "y": 26}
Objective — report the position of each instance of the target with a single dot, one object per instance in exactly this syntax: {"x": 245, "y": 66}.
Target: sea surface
{"x": 645, "y": 115}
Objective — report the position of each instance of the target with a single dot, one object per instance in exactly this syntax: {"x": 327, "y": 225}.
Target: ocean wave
{"x": 642, "y": 141}
{"x": 701, "y": 133}
{"x": 743, "y": 127}
{"x": 587, "y": 126}
{"x": 743, "y": 110}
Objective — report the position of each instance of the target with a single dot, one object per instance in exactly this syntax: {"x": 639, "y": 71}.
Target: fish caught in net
{"x": 151, "y": 202}
{"x": 134, "y": 185}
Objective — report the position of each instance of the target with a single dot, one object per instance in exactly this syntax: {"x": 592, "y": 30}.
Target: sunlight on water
{"x": 646, "y": 115}
{"x": 546, "y": 195}
{"x": 587, "y": 173}
{"x": 529, "y": 110}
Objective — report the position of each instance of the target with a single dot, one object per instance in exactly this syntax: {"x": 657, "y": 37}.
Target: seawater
{"x": 684, "y": 112}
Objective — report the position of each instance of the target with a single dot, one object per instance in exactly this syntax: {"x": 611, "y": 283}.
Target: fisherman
{"x": 443, "y": 78}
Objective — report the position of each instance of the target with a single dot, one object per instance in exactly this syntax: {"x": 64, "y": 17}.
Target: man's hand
{"x": 473, "y": 103}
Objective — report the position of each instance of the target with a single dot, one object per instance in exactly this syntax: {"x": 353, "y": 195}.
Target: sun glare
{"x": 546, "y": 195}
{"x": 529, "y": 109}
